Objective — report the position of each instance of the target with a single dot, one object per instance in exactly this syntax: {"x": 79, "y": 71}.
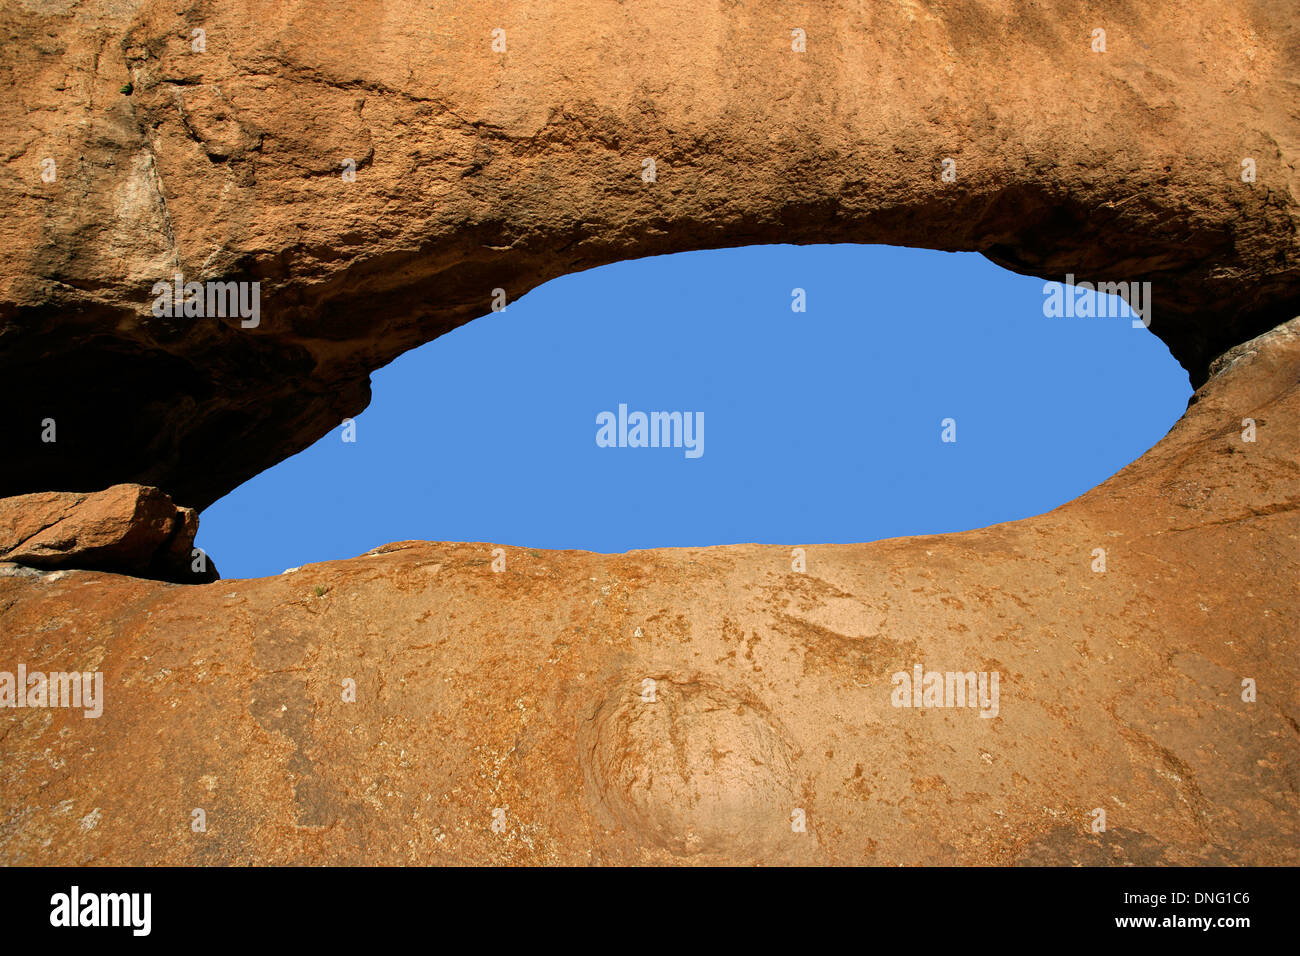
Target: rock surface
{"x": 679, "y": 706}
{"x": 127, "y": 529}
{"x": 478, "y": 170}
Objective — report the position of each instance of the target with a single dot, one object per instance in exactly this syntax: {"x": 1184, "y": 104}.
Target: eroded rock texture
{"x": 478, "y": 170}
{"x": 679, "y": 706}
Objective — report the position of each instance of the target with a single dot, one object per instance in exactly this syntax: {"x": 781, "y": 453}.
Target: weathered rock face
{"x": 712, "y": 705}
{"x": 478, "y": 170}
{"x": 126, "y": 529}
{"x": 697, "y": 706}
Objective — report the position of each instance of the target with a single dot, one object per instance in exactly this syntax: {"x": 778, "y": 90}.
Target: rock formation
{"x": 386, "y": 172}
{"x": 414, "y": 705}
{"x": 381, "y": 171}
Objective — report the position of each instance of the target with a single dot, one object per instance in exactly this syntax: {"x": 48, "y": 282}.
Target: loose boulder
{"x": 126, "y": 529}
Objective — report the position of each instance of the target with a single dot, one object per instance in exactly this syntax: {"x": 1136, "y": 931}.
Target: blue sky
{"x": 820, "y": 426}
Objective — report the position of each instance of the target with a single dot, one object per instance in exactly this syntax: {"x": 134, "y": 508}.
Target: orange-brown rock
{"x": 127, "y": 529}
{"x": 497, "y": 145}
{"x": 696, "y": 705}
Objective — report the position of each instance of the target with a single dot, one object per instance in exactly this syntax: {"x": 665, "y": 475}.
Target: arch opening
{"x": 845, "y": 393}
